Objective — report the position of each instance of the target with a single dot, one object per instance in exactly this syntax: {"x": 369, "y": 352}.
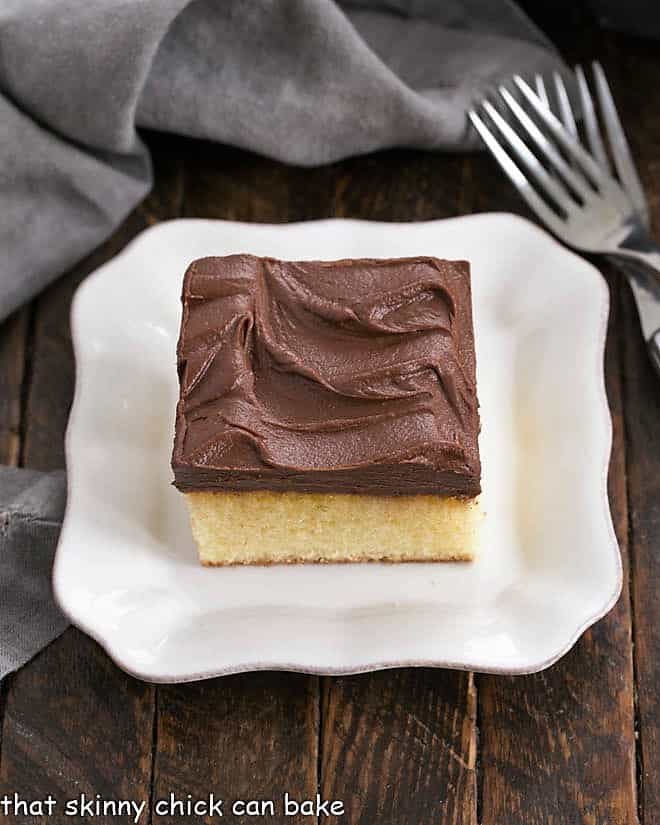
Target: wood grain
{"x": 642, "y": 398}
{"x": 13, "y": 363}
{"x": 74, "y": 723}
{"x": 251, "y": 737}
{"x": 642, "y": 405}
{"x": 400, "y": 746}
{"x": 394, "y": 186}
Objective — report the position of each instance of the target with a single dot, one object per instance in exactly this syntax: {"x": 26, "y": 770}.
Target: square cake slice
{"x": 328, "y": 410}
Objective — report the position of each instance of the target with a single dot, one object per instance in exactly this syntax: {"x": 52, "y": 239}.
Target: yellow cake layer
{"x": 269, "y": 527}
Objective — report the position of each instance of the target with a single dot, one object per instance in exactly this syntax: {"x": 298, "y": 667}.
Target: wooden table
{"x": 579, "y": 743}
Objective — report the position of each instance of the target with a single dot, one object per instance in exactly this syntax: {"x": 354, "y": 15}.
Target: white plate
{"x": 126, "y": 569}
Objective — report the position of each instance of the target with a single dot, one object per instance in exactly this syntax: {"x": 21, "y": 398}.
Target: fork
{"x": 574, "y": 191}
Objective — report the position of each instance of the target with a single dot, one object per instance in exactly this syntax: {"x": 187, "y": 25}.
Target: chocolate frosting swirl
{"x": 344, "y": 376}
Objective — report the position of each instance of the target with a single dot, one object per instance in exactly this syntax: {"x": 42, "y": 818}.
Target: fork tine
{"x": 516, "y": 176}
{"x": 552, "y": 186}
{"x": 572, "y": 176}
{"x": 623, "y": 161}
{"x": 568, "y": 143}
{"x": 591, "y": 122}
{"x": 565, "y": 109}
{"x": 541, "y": 91}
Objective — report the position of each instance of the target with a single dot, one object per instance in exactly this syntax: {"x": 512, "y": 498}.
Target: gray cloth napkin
{"x": 303, "y": 81}
{"x": 31, "y": 509}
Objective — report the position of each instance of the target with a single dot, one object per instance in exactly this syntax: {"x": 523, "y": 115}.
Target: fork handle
{"x": 649, "y": 259}
{"x": 645, "y": 284}
{"x": 639, "y": 248}
{"x": 653, "y": 345}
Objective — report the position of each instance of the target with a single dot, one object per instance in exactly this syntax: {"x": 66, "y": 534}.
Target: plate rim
{"x": 535, "y": 666}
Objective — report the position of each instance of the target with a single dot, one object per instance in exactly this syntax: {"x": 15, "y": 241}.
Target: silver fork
{"x": 574, "y": 192}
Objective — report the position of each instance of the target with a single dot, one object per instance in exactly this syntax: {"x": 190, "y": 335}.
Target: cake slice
{"x": 328, "y": 410}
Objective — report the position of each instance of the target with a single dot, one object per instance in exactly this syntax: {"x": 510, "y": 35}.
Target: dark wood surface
{"x": 579, "y": 743}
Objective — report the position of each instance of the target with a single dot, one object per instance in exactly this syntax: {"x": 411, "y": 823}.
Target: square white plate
{"x": 126, "y": 570}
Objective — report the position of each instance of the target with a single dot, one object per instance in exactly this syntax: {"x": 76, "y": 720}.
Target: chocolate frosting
{"x": 350, "y": 376}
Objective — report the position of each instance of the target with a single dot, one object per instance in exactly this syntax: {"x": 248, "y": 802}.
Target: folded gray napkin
{"x": 31, "y": 509}
{"x": 303, "y": 81}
